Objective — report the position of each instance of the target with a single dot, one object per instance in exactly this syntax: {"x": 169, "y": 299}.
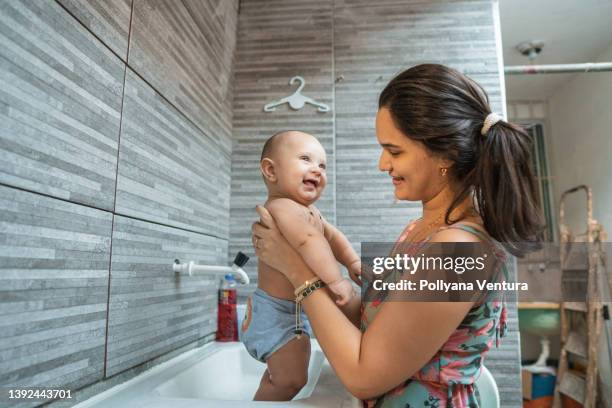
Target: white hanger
{"x": 296, "y": 100}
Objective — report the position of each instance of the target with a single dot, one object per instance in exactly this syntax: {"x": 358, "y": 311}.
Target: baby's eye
{"x": 305, "y": 158}
{"x": 322, "y": 166}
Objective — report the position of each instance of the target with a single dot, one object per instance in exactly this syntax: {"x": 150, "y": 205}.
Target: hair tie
{"x": 491, "y": 119}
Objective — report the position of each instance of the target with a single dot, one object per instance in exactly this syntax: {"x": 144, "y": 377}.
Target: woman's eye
{"x": 394, "y": 153}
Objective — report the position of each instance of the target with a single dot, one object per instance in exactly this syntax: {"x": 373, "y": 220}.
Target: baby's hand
{"x": 354, "y": 271}
{"x": 343, "y": 289}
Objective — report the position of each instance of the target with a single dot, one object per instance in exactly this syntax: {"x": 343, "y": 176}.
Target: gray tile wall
{"x": 60, "y": 101}
{"x": 370, "y": 43}
{"x": 195, "y": 40}
{"x": 114, "y": 161}
{"x": 151, "y": 311}
{"x": 160, "y": 150}
{"x": 54, "y": 262}
{"x": 109, "y": 20}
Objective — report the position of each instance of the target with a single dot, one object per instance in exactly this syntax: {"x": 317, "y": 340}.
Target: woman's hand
{"x": 271, "y": 246}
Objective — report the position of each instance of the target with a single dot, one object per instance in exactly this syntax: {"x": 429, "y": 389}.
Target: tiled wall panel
{"x": 276, "y": 41}
{"x": 185, "y": 50}
{"x": 109, "y": 20}
{"x": 54, "y": 261}
{"x": 169, "y": 171}
{"x": 152, "y": 310}
{"x": 61, "y": 111}
{"x": 60, "y": 101}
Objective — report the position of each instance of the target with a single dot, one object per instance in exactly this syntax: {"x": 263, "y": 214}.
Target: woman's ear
{"x": 445, "y": 164}
{"x": 268, "y": 170}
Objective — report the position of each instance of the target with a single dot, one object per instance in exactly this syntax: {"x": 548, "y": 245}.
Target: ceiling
{"x": 573, "y": 31}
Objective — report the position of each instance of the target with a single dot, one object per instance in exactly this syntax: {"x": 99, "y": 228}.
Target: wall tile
{"x": 54, "y": 266}
{"x": 107, "y": 19}
{"x": 169, "y": 171}
{"x": 185, "y": 51}
{"x": 60, "y": 101}
{"x": 152, "y": 310}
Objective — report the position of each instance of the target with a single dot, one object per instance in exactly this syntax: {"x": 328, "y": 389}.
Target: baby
{"x": 293, "y": 166}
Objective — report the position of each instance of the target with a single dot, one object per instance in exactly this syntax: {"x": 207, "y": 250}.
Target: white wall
{"x": 581, "y": 142}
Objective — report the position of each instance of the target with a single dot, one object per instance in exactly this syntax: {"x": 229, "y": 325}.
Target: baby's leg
{"x": 287, "y": 371}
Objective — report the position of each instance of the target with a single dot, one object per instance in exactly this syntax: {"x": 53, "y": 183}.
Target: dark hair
{"x": 445, "y": 110}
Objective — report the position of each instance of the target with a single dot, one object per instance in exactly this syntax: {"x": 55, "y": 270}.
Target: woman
{"x": 472, "y": 172}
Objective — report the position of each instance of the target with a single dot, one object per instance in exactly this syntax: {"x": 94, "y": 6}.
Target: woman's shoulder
{"x": 461, "y": 231}
{"x": 468, "y": 231}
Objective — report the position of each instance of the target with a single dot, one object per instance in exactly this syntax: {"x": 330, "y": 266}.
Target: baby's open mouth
{"x": 311, "y": 182}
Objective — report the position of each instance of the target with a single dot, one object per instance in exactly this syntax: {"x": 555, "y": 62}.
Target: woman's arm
{"x": 402, "y": 338}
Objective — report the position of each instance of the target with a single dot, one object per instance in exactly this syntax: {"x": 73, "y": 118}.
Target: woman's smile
{"x": 396, "y": 180}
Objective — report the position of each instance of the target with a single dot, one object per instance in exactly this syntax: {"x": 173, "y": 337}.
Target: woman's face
{"x": 415, "y": 172}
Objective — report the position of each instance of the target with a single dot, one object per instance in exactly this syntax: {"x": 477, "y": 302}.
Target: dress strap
{"x": 497, "y": 250}
{"x": 468, "y": 228}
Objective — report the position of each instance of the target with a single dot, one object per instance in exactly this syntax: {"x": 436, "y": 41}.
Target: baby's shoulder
{"x": 285, "y": 206}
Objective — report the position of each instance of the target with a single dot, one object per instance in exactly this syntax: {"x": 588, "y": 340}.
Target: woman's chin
{"x": 403, "y": 195}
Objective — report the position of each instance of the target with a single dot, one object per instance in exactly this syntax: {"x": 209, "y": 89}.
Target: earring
{"x": 443, "y": 171}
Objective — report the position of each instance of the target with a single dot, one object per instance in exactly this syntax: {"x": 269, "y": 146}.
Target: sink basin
{"x": 540, "y": 319}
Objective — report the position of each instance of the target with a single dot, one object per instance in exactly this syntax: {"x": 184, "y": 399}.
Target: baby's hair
{"x": 271, "y": 143}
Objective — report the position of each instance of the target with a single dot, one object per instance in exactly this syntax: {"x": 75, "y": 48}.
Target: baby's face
{"x": 300, "y": 168}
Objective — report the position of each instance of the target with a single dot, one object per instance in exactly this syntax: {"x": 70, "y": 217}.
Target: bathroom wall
{"x": 347, "y": 51}
{"x": 571, "y": 118}
{"x": 115, "y": 148}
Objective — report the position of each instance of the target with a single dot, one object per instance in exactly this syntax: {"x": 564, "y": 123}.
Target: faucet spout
{"x": 236, "y": 269}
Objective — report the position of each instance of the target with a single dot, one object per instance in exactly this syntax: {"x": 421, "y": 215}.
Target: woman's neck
{"x": 435, "y": 208}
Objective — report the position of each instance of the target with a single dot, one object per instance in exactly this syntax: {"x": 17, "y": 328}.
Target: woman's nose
{"x": 383, "y": 162}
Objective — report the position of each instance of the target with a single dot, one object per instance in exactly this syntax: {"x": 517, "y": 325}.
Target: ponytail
{"x": 445, "y": 110}
{"x": 506, "y": 189}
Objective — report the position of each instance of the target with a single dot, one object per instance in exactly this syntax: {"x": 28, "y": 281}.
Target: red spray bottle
{"x": 227, "y": 319}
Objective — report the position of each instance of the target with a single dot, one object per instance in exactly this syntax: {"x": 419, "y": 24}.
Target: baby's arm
{"x": 343, "y": 251}
{"x": 292, "y": 221}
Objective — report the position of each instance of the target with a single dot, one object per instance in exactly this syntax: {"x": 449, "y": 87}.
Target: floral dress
{"x": 447, "y": 380}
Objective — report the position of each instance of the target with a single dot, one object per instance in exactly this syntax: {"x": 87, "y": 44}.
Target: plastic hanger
{"x": 296, "y": 100}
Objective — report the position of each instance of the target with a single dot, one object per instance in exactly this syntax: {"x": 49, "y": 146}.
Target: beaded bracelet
{"x": 304, "y": 285}
{"x": 301, "y": 293}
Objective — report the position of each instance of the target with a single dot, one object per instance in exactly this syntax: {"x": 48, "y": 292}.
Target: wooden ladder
{"x": 582, "y": 317}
